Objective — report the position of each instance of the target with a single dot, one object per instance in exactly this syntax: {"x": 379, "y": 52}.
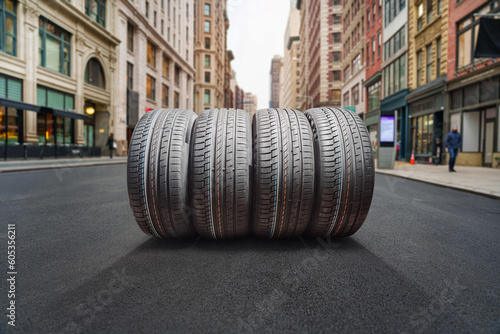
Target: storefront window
{"x": 59, "y": 130}
{"x": 9, "y": 126}
{"x": 470, "y": 131}
{"x": 374, "y": 97}
{"x": 423, "y": 127}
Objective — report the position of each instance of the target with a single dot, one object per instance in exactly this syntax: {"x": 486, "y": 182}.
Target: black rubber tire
{"x": 220, "y": 173}
{"x": 283, "y": 173}
{"x": 158, "y": 189}
{"x": 345, "y": 172}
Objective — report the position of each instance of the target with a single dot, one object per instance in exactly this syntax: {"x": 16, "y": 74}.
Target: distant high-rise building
{"x": 274, "y": 95}
{"x": 289, "y": 74}
{"x": 210, "y": 54}
{"x": 250, "y": 104}
{"x": 320, "y": 70}
{"x": 353, "y": 64}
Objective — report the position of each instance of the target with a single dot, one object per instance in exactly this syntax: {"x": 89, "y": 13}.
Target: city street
{"x": 427, "y": 260}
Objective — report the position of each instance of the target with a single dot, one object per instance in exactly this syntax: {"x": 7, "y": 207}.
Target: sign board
{"x": 353, "y": 109}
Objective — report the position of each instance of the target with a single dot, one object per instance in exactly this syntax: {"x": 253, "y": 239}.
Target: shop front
{"x": 427, "y": 108}
{"x": 372, "y": 116}
{"x": 397, "y": 103}
{"x": 475, "y": 109}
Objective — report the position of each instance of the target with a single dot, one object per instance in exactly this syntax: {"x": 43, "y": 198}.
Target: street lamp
{"x": 309, "y": 97}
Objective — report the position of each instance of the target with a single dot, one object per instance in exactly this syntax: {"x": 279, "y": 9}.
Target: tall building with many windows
{"x": 373, "y": 79}
{"x": 321, "y": 53}
{"x": 427, "y": 59}
{"x": 274, "y": 81}
{"x": 395, "y": 70}
{"x": 210, "y": 54}
{"x": 473, "y": 85}
{"x": 155, "y": 58}
{"x": 58, "y": 78}
{"x": 353, "y": 64}
{"x": 250, "y": 104}
{"x": 289, "y": 75}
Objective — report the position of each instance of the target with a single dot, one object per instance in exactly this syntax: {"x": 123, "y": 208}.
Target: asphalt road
{"x": 427, "y": 260}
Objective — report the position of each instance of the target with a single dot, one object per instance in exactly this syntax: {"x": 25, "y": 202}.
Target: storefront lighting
{"x": 90, "y": 110}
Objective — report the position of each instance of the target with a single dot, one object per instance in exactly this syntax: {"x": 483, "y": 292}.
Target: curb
{"x": 446, "y": 185}
{"x": 59, "y": 166}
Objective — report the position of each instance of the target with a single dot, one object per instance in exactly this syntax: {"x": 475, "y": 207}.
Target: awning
{"x": 488, "y": 39}
{"x": 44, "y": 110}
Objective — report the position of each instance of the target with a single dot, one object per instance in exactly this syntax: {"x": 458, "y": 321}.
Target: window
{"x": 438, "y": 57}
{"x": 147, "y": 9}
{"x": 356, "y": 64}
{"x": 379, "y": 46}
{"x": 336, "y": 18}
{"x": 94, "y": 74}
{"x": 166, "y": 67}
{"x": 374, "y": 97}
{"x": 207, "y": 96}
{"x": 164, "y": 96}
{"x": 355, "y": 95}
{"x": 150, "y": 87}
{"x": 96, "y": 10}
{"x": 154, "y": 19}
{"x": 429, "y": 63}
{"x": 336, "y": 76}
{"x": 10, "y": 126}
{"x": 346, "y": 99}
{"x": 207, "y": 26}
{"x": 54, "y": 47}
{"x": 336, "y": 95}
{"x": 207, "y": 77}
{"x": 439, "y": 6}
{"x": 62, "y": 132}
{"x": 161, "y": 27}
{"x": 374, "y": 9}
{"x": 207, "y": 43}
{"x": 347, "y": 73}
{"x": 336, "y": 37}
{"x": 335, "y": 2}
{"x": 367, "y": 20}
{"x": 130, "y": 36}
{"x": 207, "y": 9}
{"x": 396, "y": 75}
{"x": 373, "y": 50}
{"x": 336, "y": 56}
{"x": 130, "y": 76}
{"x": 8, "y": 24}
{"x": 429, "y": 11}
{"x": 177, "y": 75}
{"x": 151, "y": 54}
{"x": 419, "y": 68}
{"x": 207, "y": 60}
{"x": 176, "y": 100}
{"x": 402, "y": 72}
{"x": 420, "y": 16}
{"x": 368, "y": 55}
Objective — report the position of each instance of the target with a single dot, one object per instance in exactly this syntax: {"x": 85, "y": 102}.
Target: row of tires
{"x": 221, "y": 175}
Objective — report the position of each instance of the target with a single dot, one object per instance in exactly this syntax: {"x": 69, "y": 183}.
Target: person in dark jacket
{"x": 452, "y": 144}
{"x": 111, "y": 145}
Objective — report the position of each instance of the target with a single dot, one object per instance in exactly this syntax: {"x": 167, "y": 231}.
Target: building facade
{"x": 250, "y": 104}
{"x": 274, "y": 81}
{"x": 210, "y": 54}
{"x": 321, "y": 52}
{"x": 289, "y": 73}
{"x": 155, "y": 59}
{"x": 395, "y": 70}
{"x": 427, "y": 66}
{"x": 67, "y": 88}
{"x": 473, "y": 86}
{"x": 373, "y": 76}
{"x": 353, "y": 63}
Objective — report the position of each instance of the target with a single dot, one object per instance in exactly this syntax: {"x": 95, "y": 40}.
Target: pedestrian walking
{"x": 111, "y": 144}
{"x": 452, "y": 144}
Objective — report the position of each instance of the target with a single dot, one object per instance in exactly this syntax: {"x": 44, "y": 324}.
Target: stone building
{"x": 274, "y": 81}
{"x": 289, "y": 78}
{"x": 427, "y": 66}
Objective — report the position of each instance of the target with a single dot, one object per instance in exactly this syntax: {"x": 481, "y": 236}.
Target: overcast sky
{"x": 256, "y": 34}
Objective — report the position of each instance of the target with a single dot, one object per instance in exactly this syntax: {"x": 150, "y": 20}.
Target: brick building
{"x": 473, "y": 85}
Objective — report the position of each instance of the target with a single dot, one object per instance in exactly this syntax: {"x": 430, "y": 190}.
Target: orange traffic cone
{"x": 412, "y": 159}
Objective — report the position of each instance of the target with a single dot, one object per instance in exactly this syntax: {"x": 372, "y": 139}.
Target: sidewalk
{"x": 38, "y": 164}
{"x": 479, "y": 180}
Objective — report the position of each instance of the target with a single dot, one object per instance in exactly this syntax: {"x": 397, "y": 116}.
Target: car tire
{"x": 344, "y": 172}
{"x": 283, "y": 173}
{"x": 220, "y": 173}
{"x": 157, "y": 173}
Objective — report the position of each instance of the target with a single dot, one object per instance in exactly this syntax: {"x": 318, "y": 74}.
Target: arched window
{"x": 94, "y": 74}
